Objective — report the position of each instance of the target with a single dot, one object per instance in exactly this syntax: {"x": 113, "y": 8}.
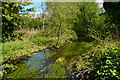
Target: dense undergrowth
{"x": 13, "y": 51}
{"x": 92, "y": 61}
{"x": 86, "y": 39}
{"x": 29, "y": 44}
{"x": 106, "y": 62}
{"x": 102, "y": 58}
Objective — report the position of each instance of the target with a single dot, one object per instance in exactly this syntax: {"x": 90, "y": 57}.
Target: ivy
{"x": 107, "y": 64}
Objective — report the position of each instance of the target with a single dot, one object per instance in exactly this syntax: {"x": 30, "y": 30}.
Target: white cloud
{"x": 100, "y": 1}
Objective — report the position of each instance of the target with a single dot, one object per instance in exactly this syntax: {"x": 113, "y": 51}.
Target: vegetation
{"x": 83, "y": 37}
{"x": 11, "y": 18}
{"x": 106, "y": 66}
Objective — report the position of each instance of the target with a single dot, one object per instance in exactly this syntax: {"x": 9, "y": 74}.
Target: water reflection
{"x": 38, "y": 60}
{"x": 32, "y": 66}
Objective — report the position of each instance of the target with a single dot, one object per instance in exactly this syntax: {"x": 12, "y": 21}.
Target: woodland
{"x": 82, "y": 37}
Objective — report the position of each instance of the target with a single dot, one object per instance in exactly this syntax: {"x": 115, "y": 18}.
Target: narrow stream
{"x": 44, "y": 64}
{"x": 34, "y": 66}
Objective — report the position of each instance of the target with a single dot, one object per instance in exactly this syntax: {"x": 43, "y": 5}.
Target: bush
{"x": 107, "y": 64}
{"x": 38, "y": 39}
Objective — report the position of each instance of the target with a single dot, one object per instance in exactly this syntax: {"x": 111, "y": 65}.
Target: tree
{"x": 60, "y": 19}
{"x": 86, "y": 12}
{"x": 35, "y": 23}
{"x": 11, "y": 20}
{"x": 113, "y": 10}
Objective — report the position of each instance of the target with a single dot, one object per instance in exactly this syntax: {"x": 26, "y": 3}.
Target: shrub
{"x": 76, "y": 49}
{"x": 107, "y": 63}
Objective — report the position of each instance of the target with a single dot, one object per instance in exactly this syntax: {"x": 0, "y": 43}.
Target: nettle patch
{"x": 107, "y": 63}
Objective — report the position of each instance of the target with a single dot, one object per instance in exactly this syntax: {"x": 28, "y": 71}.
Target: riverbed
{"x": 49, "y": 63}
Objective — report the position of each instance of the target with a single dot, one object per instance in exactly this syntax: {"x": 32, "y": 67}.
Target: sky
{"x": 37, "y": 5}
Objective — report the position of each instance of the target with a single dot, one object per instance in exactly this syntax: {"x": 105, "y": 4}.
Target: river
{"x": 48, "y": 63}
{"x": 34, "y": 66}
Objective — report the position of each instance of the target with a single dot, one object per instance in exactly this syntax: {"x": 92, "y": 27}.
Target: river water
{"x": 35, "y": 66}
{"x": 49, "y": 63}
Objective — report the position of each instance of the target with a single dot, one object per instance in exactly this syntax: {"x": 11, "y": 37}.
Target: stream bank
{"x": 49, "y": 63}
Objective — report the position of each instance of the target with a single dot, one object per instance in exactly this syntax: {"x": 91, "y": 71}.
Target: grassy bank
{"x": 28, "y": 44}
{"x": 91, "y": 61}
{"x": 15, "y": 49}
{"x": 75, "y": 57}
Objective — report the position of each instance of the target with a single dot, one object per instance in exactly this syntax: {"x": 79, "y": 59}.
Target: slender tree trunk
{"x": 43, "y": 21}
{"x": 58, "y": 35}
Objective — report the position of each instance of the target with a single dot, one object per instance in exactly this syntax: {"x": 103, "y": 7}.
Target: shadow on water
{"x": 50, "y": 63}
{"x": 33, "y": 66}
{"x": 40, "y": 60}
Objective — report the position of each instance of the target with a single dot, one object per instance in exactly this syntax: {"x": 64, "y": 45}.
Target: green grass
{"x": 14, "y": 49}
{"x": 30, "y": 43}
{"x": 76, "y": 49}
{"x": 56, "y": 71}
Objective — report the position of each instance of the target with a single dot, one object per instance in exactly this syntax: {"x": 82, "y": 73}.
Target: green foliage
{"x": 107, "y": 63}
{"x": 1, "y": 73}
{"x": 60, "y": 20}
{"x": 35, "y": 23}
{"x": 29, "y": 55}
{"x": 11, "y": 20}
{"x": 29, "y": 22}
{"x": 112, "y": 10}
{"x": 85, "y": 12}
{"x": 21, "y": 72}
{"x": 38, "y": 39}
{"x": 76, "y": 49}
{"x": 61, "y": 25}
{"x": 102, "y": 28}
{"x": 10, "y": 66}
{"x": 14, "y": 49}
{"x": 56, "y": 71}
